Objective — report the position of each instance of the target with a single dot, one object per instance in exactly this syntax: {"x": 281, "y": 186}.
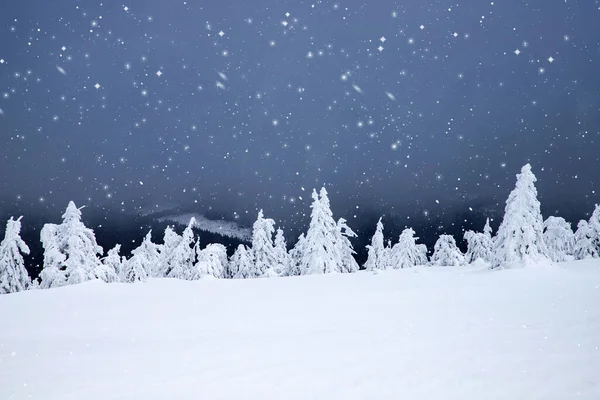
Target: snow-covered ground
{"x": 424, "y": 333}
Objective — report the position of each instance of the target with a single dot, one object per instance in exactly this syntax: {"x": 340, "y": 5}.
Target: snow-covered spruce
{"x": 344, "y": 232}
{"x": 212, "y": 261}
{"x": 13, "y": 275}
{"x": 559, "y": 238}
{"x": 487, "y": 229}
{"x": 446, "y": 253}
{"x": 407, "y": 253}
{"x": 263, "y": 251}
{"x": 296, "y": 255}
{"x": 114, "y": 261}
{"x": 241, "y": 264}
{"x": 144, "y": 258}
{"x": 479, "y": 246}
{"x": 584, "y": 242}
{"x": 180, "y": 263}
{"x": 376, "y": 250}
{"x": 170, "y": 241}
{"x": 70, "y": 251}
{"x": 282, "y": 257}
{"x": 520, "y": 239}
{"x": 595, "y": 227}
{"x": 322, "y": 251}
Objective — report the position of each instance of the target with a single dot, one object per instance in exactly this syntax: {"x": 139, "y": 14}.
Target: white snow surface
{"x": 421, "y": 333}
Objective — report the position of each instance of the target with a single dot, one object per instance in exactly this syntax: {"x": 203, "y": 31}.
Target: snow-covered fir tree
{"x": 584, "y": 248}
{"x": 296, "y": 255}
{"x": 387, "y": 255}
{"x": 446, "y": 253}
{"x": 487, "y": 229}
{"x": 282, "y": 257}
{"x": 559, "y": 238}
{"x": 344, "y": 233}
{"x": 241, "y": 264}
{"x": 407, "y": 253}
{"x": 594, "y": 223}
{"x": 320, "y": 250}
{"x": 212, "y": 261}
{"x": 263, "y": 250}
{"x": 13, "y": 275}
{"x": 170, "y": 241}
{"x": 114, "y": 261}
{"x": 479, "y": 246}
{"x": 520, "y": 238}
{"x": 70, "y": 251}
{"x": 144, "y": 259}
{"x": 181, "y": 262}
{"x": 376, "y": 250}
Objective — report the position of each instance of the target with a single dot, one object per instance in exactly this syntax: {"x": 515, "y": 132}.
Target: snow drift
{"x": 420, "y": 333}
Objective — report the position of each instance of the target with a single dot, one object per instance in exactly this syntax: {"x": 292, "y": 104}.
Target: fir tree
{"x": 282, "y": 257}
{"x": 559, "y": 238}
{"x": 594, "y": 223}
{"x": 13, "y": 275}
{"x": 584, "y": 242}
{"x": 70, "y": 251}
{"x": 376, "y": 250}
{"x": 114, "y": 261}
{"x": 170, "y": 241}
{"x": 263, "y": 251}
{"x": 446, "y": 253}
{"x": 479, "y": 246}
{"x": 180, "y": 263}
{"x": 320, "y": 250}
{"x": 407, "y": 253}
{"x": 144, "y": 259}
{"x": 487, "y": 229}
{"x": 296, "y": 254}
{"x": 241, "y": 263}
{"x": 520, "y": 239}
{"x": 212, "y": 261}
{"x": 344, "y": 233}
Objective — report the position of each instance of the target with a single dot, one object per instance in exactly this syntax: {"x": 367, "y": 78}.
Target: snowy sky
{"x": 402, "y": 107}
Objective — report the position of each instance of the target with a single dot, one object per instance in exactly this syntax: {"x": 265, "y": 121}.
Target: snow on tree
{"x": 70, "y": 251}
{"x": 520, "y": 238}
{"x": 446, "y": 253}
{"x": 282, "y": 257}
{"x": 487, "y": 229}
{"x": 320, "y": 252}
{"x": 376, "y": 250}
{"x": 170, "y": 241}
{"x": 13, "y": 275}
{"x": 479, "y": 245}
{"x": 114, "y": 261}
{"x": 180, "y": 263}
{"x": 347, "y": 252}
{"x": 387, "y": 255}
{"x": 144, "y": 259}
{"x": 594, "y": 223}
{"x": 296, "y": 255}
{"x": 407, "y": 253}
{"x": 263, "y": 251}
{"x": 241, "y": 264}
{"x": 212, "y": 261}
{"x": 559, "y": 238}
{"x": 584, "y": 242}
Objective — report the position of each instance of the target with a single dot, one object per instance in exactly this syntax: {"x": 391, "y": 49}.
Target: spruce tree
{"x": 282, "y": 257}
{"x": 263, "y": 251}
{"x": 13, "y": 275}
{"x": 180, "y": 264}
{"x": 70, "y": 251}
{"x": 479, "y": 245}
{"x": 344, "y": 233}
{"x": 376, "y": 250}
{"x": 520, "y": 239}
{"x": 407, "y": 253}
{"x": 584, "y": 242}
{"x": 241, "y": 263}
{"x": 559, "y": 238}
{"x": 446, "y": 253}
{"x": 212, "y": 261}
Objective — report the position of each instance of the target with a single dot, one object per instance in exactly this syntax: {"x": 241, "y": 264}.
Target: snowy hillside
{"x": 221, "y": 227}
{"x": 421, "y": 333}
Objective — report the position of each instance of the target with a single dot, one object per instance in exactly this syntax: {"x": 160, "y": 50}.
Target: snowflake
{"x": 97, "y": 85}
{"x": 380, "y": 48}
{"x": 517, "y": 51}
{"x": 2, "y": 61}
{"x": 550, "y": 59}
{"x": 159, "y": 73}
{"x": 221, "y": 33}
{"x": 382, "y": 39}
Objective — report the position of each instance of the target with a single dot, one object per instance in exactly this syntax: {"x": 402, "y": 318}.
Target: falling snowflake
{"x": 61, "y": 70}
{"x": 159, "y": 73}
{"x": 357, "y": 88}
{"x": 390, "y": 96}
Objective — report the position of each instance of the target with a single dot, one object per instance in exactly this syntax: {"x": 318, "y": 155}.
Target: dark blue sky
{"x": 234, "y": 105}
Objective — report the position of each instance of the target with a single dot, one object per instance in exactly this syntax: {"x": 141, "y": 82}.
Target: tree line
{"x": 72, "y": 255}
